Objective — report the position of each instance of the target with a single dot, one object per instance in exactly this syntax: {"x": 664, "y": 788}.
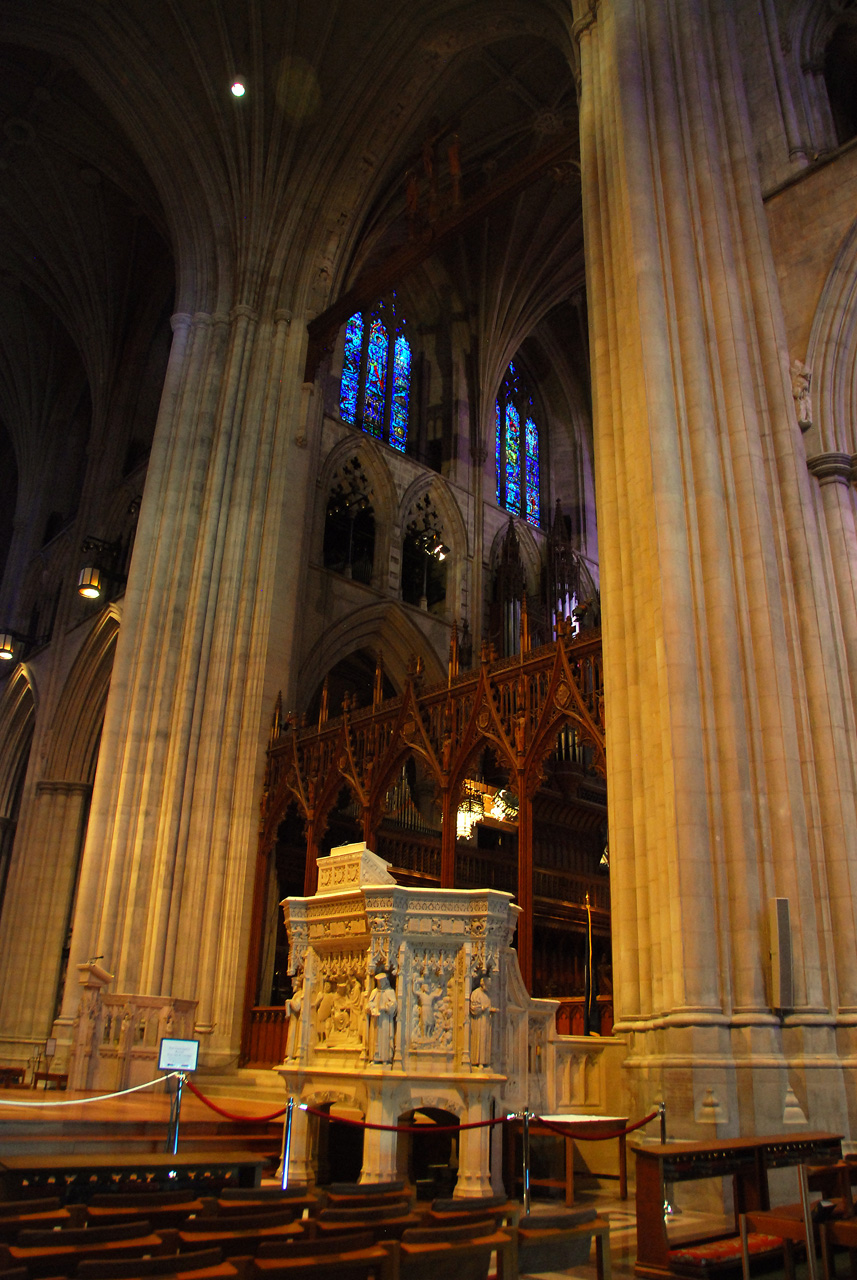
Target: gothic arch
{"x": 832, "y": 356}
{"x": 17, "y": 722}
{"x": 455, "y": 535}
{"x": 80, "y": 711}
{"x": 378, "y": 626}
{"x": 384, "y": 505}
{"x": 529, "y": 550}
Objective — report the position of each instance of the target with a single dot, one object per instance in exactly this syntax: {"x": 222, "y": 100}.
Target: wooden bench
{"x": 52, "y": 1079}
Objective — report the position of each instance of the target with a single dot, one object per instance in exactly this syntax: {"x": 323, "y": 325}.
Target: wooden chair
{"x": 163, "y": 1265}
{"x": 386, "y": 1222}
{"x": 51, "y": 1253}
{"x": 791, "y": 1223}
{"x": 554, "y": 1242}
{"x": 504, "y": 1212}
{"x": 163, "y": 1209}
{"x": 843, "y": 1235}
{"x": 241, "y": 1221}
{"x": 11, "y": 1225}
{"x": 303, "y": 1246}
{"x": 462, "y": 1251}
{"x": 262, "y": 1199}
{"x": 10, "y": 1208}
{"x": 235, "y": 1241}
{"x": 376, "y": 1262}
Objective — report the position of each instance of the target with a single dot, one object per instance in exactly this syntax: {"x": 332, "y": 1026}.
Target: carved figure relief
{"x": 324, "y": 1011}
{"x": 801, "y": 380}
{"x": 481, "y": 1012}
{"x": 381, "y": 1010}
{"x": 294, "y": 1004}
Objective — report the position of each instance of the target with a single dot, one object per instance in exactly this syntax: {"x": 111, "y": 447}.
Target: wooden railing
{"x": 569, "y": 1016}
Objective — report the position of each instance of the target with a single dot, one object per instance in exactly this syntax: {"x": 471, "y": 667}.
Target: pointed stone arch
{"x": 378, "y": 626}
{"x": 832, "y": 356}
{"x": 80, "y": 712}
{"x": 455, "y": 535}
{"x": 17, "y": 723}
{"x": 383, "y": 496}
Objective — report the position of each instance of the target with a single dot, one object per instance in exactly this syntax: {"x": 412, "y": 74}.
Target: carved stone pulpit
{"x": 404, "y": 998}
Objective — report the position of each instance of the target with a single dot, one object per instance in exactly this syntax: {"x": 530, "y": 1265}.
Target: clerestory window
{"x": 375, "y": 391}
{"x": 517, "y": 449}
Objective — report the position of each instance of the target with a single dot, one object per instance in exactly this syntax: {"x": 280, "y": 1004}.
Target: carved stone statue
{"x": 801, "y": 379}
{"x": 324, "y": 1012}
{"x": 382, "y": 1019}
{"x": 294, "y": 1004}
{"x": 481, "y": 1011}
{"x": 426, "y": 997}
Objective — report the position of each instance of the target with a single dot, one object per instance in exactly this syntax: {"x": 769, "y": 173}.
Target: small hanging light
{"x": 238, "y": 86}
{"x": 7, "y": 647}
{"x": 90, "y": 583}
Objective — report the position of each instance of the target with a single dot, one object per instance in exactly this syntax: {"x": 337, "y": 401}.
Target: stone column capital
{"x": 832, "y": 468}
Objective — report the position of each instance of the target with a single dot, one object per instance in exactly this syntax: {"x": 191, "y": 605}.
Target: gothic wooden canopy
{"x": 516, "y": 705}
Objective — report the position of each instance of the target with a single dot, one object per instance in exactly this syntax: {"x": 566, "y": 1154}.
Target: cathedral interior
{"x": 433, "y": 425}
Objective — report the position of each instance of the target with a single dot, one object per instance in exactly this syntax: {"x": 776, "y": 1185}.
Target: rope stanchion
{"x": 405, "y": 1128}
{"x": 81, "y": 1102}
{"x": 230, "y": 1115}
{"x": 567, "y": 1130}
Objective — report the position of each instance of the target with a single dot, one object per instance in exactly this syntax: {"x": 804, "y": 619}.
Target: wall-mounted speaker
{"x": 782, "y": 969}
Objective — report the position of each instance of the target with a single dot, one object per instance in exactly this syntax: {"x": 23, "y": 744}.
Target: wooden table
{"x": 587, "y": 1128}
{"x": 745, "y": 1160}
{"x": 76, "y": 1178}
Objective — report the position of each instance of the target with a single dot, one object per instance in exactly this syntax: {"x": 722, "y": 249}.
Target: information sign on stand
{"x": 179, "y": 1056}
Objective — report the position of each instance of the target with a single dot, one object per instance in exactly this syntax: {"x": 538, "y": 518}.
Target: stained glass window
{"x": 351, "y": 369}
{"x": 499, "y": 453}
{"x": 401, "y": 392}
{"x": 376, "y": 375}
{"x": 376, "y": 381}
{"x": 513, "y": 460}
{"x": 531, "y": 459}
{"x": 517, "y": 459}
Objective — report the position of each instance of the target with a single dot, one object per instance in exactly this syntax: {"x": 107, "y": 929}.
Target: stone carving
{"x": 481, "y": 1011}
{"x": 324, "y": 1011}
{"x": 381, "y": 1010}
{"x": 801, "y": 380}
{"x": 294, "y": 1005}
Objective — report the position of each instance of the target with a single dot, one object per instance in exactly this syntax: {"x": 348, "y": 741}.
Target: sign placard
{"x": 178, "y": 1055}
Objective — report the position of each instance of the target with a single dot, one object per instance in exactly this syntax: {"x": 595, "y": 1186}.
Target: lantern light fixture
{"x": 101, "y": 569}
{"x": 90, "y": 582}
{"x": 9, "y": 639}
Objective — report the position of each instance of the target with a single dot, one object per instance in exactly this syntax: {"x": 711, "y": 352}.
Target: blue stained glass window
{"x": 367, "y": 396}
{"x": 513, "y": 460}
{"x": 517, "y": 451}
{"x": 499, "y": 440}
{"x": 376, "y": 381}
{"x": 351, "y": 369}
{"x": 401, "y": 392}
{"x": 531, "y": 460}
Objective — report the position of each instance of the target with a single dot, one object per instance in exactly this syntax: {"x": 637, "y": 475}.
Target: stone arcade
{"x": 397, "y": 992}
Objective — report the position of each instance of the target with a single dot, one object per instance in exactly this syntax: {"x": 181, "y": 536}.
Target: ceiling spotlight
{"x": 238, "y": 87}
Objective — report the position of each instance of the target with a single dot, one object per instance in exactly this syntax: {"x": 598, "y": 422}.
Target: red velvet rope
{"x": 403, "y": 1128}
{"x": 567, "y": 1130}
{"x": 228, "y": 1115}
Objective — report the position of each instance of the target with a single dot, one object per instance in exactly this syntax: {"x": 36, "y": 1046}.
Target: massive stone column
{"x": 164, "y": 885}
{"x": 729, "y": 765}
